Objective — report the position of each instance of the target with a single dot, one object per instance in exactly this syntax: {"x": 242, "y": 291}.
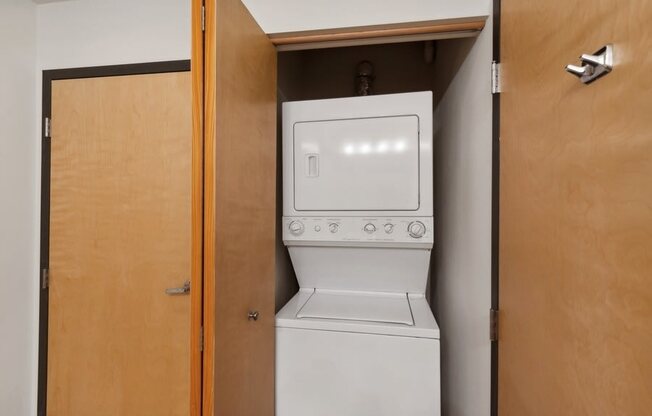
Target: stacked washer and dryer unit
{"x": 359, "y": 338}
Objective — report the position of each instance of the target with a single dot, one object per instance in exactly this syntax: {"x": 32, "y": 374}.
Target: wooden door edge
{"x": 204, "y": 50}
{"x": 197, "y": 278}
{"x": 360, "y": 33}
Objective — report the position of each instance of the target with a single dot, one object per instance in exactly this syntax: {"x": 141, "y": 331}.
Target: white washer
{"x": 359, "y": 338}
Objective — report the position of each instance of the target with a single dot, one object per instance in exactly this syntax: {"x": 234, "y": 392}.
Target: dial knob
{"x": 389, "y": 228}
{"x": 369, "y": 228}
{"x": 333, "y": 227}
{"x": 416, "y": 229}
{"x": 296, "y": 227}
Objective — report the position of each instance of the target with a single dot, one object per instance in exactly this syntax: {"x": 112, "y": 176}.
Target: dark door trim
{"x": 495, "y": 210}
{"x": 48, "y": 77}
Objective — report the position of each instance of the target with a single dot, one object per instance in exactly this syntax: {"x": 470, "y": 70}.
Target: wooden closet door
{"x": 576, "y": 211}
{"x": 240, "y": 212}
{"x": 120, "y": 235}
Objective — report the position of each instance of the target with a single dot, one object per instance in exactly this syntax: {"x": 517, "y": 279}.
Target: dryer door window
{"x": 367, "y": 164}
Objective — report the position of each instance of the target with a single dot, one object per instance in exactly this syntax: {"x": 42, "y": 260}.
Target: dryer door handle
{"x": 312, "y": 165}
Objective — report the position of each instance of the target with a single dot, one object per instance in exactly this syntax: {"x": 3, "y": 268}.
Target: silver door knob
{"x": 253, "y": 315}
{"x": 183, "y": 290}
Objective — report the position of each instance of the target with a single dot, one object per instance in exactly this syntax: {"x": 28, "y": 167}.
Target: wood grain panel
{"x": 120, "y": 234}
{"x": 240, "y": 168}
{"x": 245, "y": 184}
{"x": 208, "y": 377}
{"x": 197, "y": 292}
{"x": 380, "y": 31}
{"x": 576, "y": 212}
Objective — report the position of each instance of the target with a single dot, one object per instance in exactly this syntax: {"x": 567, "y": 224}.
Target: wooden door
{"x": 576, "y": 211}
{"x": 120, "y": 235}
{"x": 240, "y": 203}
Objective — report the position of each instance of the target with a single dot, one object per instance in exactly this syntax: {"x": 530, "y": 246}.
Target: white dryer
{"x": 359, "y": 339}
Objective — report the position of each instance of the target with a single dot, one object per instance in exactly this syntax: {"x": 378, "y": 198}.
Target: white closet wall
{"x": 462, "y": 253}
{"x": 460, "y": 285}
{"x": 297, "y": 15}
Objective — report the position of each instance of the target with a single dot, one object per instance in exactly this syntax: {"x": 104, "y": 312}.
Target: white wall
{"x": 280, "y": 16}
{"x": 51, "y": 36}
{"x": 462, "y": 252}
{"x": 18, "y": 207}
{"x": 99, "y": 32}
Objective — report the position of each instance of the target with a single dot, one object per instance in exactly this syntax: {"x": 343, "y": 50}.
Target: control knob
{"x": 333, "y": 227}
{"x": 296, "y": 227}
{"x": 369, "y": 228}
{"x": 389, "y": 228}
{"x": 416, "y": 229}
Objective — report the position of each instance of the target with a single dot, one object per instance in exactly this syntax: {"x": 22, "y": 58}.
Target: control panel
{"x": 358, "y": 229}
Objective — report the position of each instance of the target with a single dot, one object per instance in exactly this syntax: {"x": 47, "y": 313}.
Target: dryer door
{"x": 363, "y": 164}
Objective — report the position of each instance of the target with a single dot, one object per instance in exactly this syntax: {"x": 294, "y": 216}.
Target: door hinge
{"x": 203, "y": 18}
{"x": 46, "y": 127}
{"x": 493, "y": 325}
{"x": 201, "y": 338}
{"x": 496, "y": 80}
{"x": 45, "y": 278}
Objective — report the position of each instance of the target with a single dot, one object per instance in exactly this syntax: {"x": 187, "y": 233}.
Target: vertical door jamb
{"x": 204, "y": 106}
{"x": 197, "y": 329}
{"x": 495, "y": 211}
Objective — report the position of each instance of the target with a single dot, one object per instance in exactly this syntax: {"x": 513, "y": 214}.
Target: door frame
{"x": 196, "y": 300}
{"x": 203, "y": 57}
{"x": 204, "y": 52}
{"x": 495, "y": 211}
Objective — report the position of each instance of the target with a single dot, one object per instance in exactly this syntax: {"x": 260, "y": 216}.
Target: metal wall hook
{"x": 594, "y": 65}
{"x": 253, "y": 315}
{"x": 579, "y": 71}
{"x": 594, "y": 60}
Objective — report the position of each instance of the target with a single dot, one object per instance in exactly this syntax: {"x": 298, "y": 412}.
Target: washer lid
{"x": 393, "y": 308}
{"x": 424, "y": 325}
